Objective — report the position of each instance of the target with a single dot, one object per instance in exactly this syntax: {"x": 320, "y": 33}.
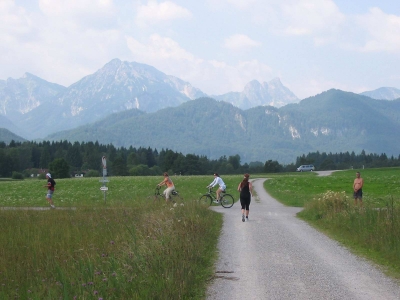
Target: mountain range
{"x": 334, "y": 121}
{"x": 128, "y": 103}
{"x": 36, "y": 108}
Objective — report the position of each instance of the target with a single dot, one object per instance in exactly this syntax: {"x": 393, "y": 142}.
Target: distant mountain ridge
{"x": 39, "y": 107}
{"x": 334, "y": 121}
{"x": 271, "y": 93}
{"x": 7, "y": 136}
{"x": 383, "y": 93}
{"x": 19, "y": 96}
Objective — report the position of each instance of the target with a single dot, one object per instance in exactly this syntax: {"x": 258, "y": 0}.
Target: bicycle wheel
{"x": 158, "y": 198}
{"x": 175, "y": 196}
{"x": 227, "y": 201}
{"x": 205, "y": 200}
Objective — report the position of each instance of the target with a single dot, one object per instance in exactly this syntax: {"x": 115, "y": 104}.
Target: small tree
{"x": 59, "y": 168}
{"x": 272, "y": 166}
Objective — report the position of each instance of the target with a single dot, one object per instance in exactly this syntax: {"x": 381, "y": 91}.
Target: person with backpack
{"x": 50, "y": 189}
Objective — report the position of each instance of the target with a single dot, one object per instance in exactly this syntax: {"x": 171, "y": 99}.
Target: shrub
{"x": 92, "y": 173}
{"x": 17, "y": 175}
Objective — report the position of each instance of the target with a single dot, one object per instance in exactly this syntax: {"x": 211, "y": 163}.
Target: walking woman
{"x": 246, "y": 192}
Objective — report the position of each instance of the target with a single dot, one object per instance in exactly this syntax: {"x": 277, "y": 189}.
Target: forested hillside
{"x": 334, "y": 121}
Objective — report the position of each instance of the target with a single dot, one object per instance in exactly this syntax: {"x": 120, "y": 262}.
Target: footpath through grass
{"x": 372, "y": 230}
{"x": 127, "y": 247}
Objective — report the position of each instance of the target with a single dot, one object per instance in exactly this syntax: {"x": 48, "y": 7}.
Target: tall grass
{"x": 149, "y": 251}
{"x": 127, "y": 247}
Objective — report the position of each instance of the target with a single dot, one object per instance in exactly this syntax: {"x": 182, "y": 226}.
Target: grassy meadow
{"x": 127, "y": 247}
{"x": 130, "y": 247}
{"x": 371, "y": 230}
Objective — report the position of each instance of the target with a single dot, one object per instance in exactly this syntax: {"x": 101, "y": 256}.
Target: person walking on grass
{"x": 169, "y": 184}
{"x": 357, "y": 188}
{"x": 246, "y": 192}
{"x": 222, "y": 187}
{"x": 50, "y": 189}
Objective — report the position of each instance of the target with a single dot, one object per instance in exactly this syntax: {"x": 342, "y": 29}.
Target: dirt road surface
{"x": 277, "y": 256}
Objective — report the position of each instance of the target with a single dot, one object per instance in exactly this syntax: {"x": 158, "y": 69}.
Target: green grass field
{"x": 127, "y": 247}
{"x": 372, "y": 230}
{"x": 295, "y": 189}
{"x": 85, "y": 192}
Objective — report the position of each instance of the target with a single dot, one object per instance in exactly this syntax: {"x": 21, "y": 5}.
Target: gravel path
{"x": 277, "y": 256}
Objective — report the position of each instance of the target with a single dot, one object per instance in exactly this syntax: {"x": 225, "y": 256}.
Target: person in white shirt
{"x": 218, "y": 180}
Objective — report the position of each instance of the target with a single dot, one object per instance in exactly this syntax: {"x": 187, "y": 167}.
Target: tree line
{"x": 64, "y": 159}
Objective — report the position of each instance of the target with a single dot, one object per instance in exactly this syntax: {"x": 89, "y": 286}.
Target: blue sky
{"x": 216, "y": 45}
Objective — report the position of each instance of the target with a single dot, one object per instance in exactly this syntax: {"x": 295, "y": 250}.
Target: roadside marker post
{"x": 104, "y": 187}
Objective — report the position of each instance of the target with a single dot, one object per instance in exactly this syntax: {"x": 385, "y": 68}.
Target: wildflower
{"x": 104, "y": 279}
{"x": 114, "y": 274}
{"x": 112, "y": 242}
{"x": 175, "y": 205}
{"x": 182, "y": 204}
{"x": 95, "y": 292}
{"x": 83, "y": 284}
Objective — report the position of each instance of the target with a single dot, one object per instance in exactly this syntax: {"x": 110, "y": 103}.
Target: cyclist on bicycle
{"x": 170, "y": 186}
{"x": 222, "y": 187}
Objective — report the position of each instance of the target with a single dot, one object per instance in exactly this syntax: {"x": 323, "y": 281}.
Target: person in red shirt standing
{"x": 50, "y": 189}
{"x": 357, "y": 188}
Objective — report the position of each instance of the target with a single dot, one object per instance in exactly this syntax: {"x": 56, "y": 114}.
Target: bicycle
{"x": 173, "y": 196}
{"x": 208, "y": 199}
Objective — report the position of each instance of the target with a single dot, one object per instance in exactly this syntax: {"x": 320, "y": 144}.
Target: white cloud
{"x": 159, "y": 48}
{"x": 240, "y": 41}
{"x": 57, "y": 49}
{"x": 155, "y": 12}
{"x": 75, "y": 7}
{"x": 383, "y": 31}
{"x": 14, "y": 20}
{"x": 166, "y": 54}
{"x": 310, "y": 17}
{"x": 241, "y": 4}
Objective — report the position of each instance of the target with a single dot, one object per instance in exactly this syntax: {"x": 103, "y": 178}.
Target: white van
{"x": 304, "y": 168}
